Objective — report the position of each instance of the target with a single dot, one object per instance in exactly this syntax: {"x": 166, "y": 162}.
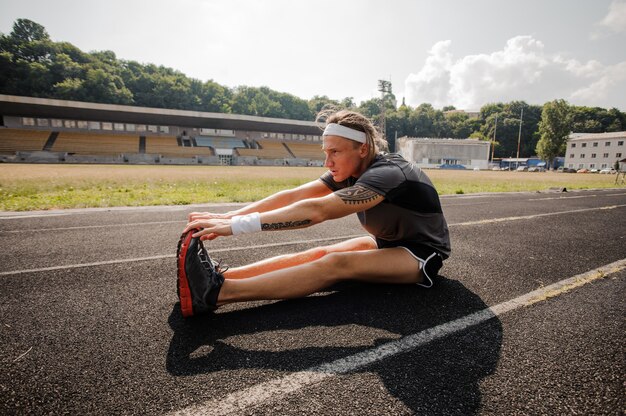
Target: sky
{"x": 442, "y": 52}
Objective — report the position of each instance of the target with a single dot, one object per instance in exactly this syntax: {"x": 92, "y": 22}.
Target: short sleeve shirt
{"x": 411, "y": 211}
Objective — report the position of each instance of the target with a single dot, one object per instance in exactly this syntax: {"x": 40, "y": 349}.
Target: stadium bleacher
{"x": 168, "y": 146}
{"x": 219, "y": 142}
{"x": 307, "y": 151}
{"x": 19, "y": 140}
{"x": 95, "y": 144}
{"x": 268, "y": 150}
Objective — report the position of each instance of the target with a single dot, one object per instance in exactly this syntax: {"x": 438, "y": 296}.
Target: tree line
{"x": 31, "y": 64}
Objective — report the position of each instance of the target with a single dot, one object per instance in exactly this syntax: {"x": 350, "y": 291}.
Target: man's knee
{"x": 336, "y": 266}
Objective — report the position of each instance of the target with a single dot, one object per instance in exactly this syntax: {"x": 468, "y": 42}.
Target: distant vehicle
{"x": 536, "y": 169}
{"x": 476, "y": 169}
{"x": 450, "y": 166}
{"x": 593, "y": 170}
{"x": 610, "y": 171}
{"x": 582, "y": 171}
{"x": 521, "y": 168}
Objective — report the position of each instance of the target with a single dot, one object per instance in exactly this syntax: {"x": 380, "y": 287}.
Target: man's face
{"x": 343, "y": 158}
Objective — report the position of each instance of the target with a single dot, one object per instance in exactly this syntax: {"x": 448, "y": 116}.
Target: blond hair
{"x": 355, "y": 121}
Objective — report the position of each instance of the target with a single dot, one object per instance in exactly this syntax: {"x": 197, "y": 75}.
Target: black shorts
{"x": 430, "y": 259}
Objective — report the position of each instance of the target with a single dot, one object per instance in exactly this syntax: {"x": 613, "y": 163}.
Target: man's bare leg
{"x": 296, "y": 259}
{"x": 392, "y": 265}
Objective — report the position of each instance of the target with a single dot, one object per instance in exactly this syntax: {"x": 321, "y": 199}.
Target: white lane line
{"x": 271, "y": 390}
{"x": 19, "y": 216}
{"x": 562, "y": 197}
{"x": 286, "y": 243}
{"x": 166, "y": 256}
{"x": 574, "y": 197}
{"x": 13, "y": 215}
{"x": 84, "y": 227}
{"x": 532, "y": 216}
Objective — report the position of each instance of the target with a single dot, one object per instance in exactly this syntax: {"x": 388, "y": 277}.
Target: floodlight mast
{"x": 384, "y": 87}
{"x": 519, "y": 136}
{"x": 493, "y": 145}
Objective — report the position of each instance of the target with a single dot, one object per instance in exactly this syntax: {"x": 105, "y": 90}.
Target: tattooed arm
{"x": 316, "y": 210}
{"x": 300, "y": 214}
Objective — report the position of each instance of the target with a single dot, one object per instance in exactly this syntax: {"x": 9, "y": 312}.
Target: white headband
{"x": 334, "y": 129}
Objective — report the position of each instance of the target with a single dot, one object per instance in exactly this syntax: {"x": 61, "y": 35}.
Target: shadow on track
{"x": 441, "y": 377}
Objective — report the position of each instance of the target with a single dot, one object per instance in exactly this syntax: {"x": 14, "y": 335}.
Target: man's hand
{"x": 210, "y": 229}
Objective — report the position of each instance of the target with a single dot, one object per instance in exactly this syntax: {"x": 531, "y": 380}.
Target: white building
{"x": 431, "y": 153}
{"x": 595, "y": 150}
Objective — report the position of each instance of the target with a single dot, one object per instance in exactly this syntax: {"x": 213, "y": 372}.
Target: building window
{"x": 584, "y": 145}
{"x": 140, "y": 127}
{"x": 69, "y": 124}
{"x": 82, "y": 124}
{"x": 152, "y": 129}
{"x": 130, "y": 127}
{"x": 581, "y": 165}
{"x": 28, "y": 121}
{"x": 603, "y": 165}
{"x": 56, "y": 123}
{"x": 593, "y": 155}
{"x": 42, "y": 122}
{"x": 618, "y": 155}
{"x": 107, "y": 126}
{"x": 94, "y": 125}
{"x": 164, "y": 129}
{"x": 620, "y": 143}
{"x": 582, "y": 155}
{"x": 595, "y": 144}
{"x": 592, "y": 165}
{"x": 607, "y": 143}
{"x": 571, "y": 155}
{"x": 605, "y": 155}
{"x": 573, "y": 146}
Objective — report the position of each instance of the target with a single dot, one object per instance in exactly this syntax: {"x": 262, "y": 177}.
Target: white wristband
{"x": 244, "y": 224}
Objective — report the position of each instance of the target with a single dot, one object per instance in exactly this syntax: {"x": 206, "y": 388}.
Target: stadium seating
{"x": 268, "y": 150}
{"x": 168, "y": 147}
{"x": 307, "y": 150}
{"x": 95, "y": 143}
{"x": 14, "y": 140}
{"x": 219, "y": 142}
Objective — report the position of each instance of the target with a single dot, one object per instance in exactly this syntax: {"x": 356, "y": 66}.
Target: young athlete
{"x": 395, "y": 202}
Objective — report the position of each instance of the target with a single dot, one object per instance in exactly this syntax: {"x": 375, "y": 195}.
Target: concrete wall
{"x": 431, "y": 153}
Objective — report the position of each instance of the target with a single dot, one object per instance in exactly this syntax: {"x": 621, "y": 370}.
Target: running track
{"x": 528, "y": 319}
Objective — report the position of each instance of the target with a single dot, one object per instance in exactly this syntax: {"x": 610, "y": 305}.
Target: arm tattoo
{"x": 282, "y": 225}
{"x": 356, "y": 195}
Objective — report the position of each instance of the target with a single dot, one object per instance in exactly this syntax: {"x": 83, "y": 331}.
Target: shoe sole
{"x": 184, "y": 293}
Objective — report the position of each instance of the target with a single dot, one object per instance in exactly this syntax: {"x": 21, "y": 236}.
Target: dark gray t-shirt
{"x": 411, "y": 211}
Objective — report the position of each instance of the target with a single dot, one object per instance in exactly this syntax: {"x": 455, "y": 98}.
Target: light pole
{"x": 385, "y": 88}
{"x": 493, "y": 144}
{"x": 519, "y": 136}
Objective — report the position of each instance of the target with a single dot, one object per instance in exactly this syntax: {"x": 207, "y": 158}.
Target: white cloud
{"x": 615, "y": 20}
{"x": 522, "y": 70}
{"x": 609, "y": 81}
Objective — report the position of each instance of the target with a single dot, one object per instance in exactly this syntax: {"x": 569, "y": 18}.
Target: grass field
{"x": 34, "y": 187}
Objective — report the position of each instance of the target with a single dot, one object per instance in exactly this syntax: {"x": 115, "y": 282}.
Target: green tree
{"x": 508, "y": 130}
{"x": 554, "y": 128}
{"x": 370, "y": 108}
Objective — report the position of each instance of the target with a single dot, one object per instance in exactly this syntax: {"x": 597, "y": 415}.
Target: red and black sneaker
{"x": 199, "y": 280}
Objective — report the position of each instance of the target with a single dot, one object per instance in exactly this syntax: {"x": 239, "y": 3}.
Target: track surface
{"x": 89, "y": 320}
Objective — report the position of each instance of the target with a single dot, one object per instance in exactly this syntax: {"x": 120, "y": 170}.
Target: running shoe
{"x": 199, "y": 278}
